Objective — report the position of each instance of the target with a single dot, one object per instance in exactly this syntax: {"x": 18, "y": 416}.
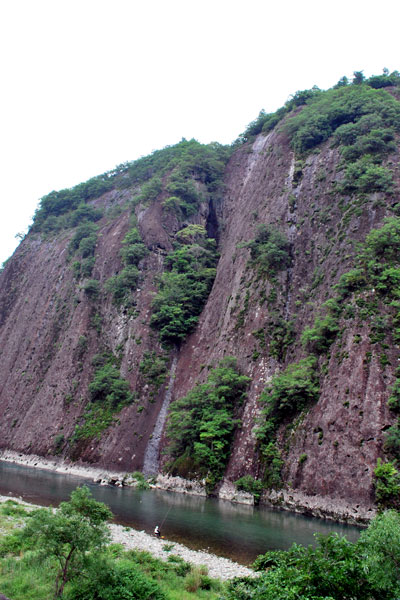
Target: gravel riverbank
{"x": 218, "y": 567}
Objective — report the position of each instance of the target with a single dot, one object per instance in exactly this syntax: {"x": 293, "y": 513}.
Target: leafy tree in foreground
{"x": 330, "y": 571}
{"x": 67, "y": 534}
{"x": 335, "y": 569}
{"x": 381, "y": 552}
{"x": 112, "y": 580}
{"x": 387, "y": 484}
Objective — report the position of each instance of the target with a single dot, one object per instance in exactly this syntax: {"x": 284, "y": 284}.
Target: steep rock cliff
{"x": 52, "y": 326}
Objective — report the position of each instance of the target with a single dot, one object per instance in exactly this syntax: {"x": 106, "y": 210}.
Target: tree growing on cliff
{"x": 202, "y": 424}
{"x": 69, "y": 533}
{"x": 270, "y": 250}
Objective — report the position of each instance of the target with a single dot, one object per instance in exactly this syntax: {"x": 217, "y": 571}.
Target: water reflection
{"x": 240, "y": 532}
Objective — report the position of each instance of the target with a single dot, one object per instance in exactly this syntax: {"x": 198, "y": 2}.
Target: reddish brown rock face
{"x": 44, "y": 313}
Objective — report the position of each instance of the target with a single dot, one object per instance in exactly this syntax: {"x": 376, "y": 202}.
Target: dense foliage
{"x": 183, "y": 162}
{"x": 114, "y": 580}
{"x": 69, "y": 533}
{"x": 108, "y": 393}
{"x": 44, "y": 552}
{"x": 67, "y": 208}
{"x": 178, "y": 172}
{"x": 335, "y": 569}
{"x": 123, "y": 283}
{"x": 265, "y": 122}
{"x": 269, "y": 251}
{"x": 186, "y": 158}
{"x": 108, "y": 387}
{"x": 185, "y": 285}
{"x": 387, "y": 484}
{"x": 348, "y": 113}
{"x": 363, "y": 121}
{"x": 201, "y": 424}
{"x": 290, "y": 391}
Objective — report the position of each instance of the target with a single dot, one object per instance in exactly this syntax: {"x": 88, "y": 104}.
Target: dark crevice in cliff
{"x": 212, "y": 222}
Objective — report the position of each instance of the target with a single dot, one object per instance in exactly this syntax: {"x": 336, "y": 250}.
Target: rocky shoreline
{"x": 290, "y": 500}
{"x": 218, "y": 567}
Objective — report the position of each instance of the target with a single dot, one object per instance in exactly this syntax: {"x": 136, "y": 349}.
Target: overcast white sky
{"x": 89, "y": 84}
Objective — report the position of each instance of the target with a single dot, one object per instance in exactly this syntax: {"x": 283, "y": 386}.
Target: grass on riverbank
{"x": 24, "y": 575}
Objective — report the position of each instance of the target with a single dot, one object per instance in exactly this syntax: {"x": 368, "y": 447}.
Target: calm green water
{"x": 236, "y": 531}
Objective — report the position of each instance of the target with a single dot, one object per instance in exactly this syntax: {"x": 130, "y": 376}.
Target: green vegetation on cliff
{"x": 362, "y": 122}
{"x": 289, "y": 392}
{"x": 82, "y": 246}
{"x": 185, "y": 285}
{"x": 370, "y": 291}
{"x": 181, "y": 163}
{"x": 108, "y": 393}
{"x": 68, "y": 208}
{"x": 269, "y": 251}
{"x": 202, "y": 424}
{"x": 343, "y": 104}
{"x": 123, "y": 283}
{"x": 362, "y": 119}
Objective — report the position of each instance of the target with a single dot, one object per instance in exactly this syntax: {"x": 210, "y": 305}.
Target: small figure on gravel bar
{"x": 157, "y": 531}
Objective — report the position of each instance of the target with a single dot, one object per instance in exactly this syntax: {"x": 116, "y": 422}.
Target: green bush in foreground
{"x": 30, "y": 562}
{"x": 380, "y": 547}
{"x": 387, "y": 484}
{"x": 78, "y": 526}
{"x": 335, "y": 569}
{"x": 111, "y": 580}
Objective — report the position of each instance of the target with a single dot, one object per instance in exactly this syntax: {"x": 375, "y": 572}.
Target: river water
{"x": 236, "y": 531}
